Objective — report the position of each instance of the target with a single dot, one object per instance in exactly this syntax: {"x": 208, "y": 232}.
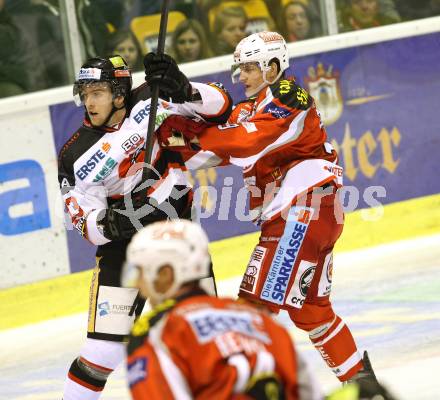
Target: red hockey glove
{"x": 176, "y": 123}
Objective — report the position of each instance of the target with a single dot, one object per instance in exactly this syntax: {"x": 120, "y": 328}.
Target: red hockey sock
{"x": 338, "y": 349}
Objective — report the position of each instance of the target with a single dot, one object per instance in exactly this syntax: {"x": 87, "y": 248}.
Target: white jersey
{"x": 96, "y": 164}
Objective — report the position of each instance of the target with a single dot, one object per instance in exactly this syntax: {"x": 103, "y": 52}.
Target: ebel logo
{"x": 90, "y": 165}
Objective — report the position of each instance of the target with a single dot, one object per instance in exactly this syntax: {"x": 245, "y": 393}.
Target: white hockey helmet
{"x": 180, "y": 244}
{"x": 261, "y": 48}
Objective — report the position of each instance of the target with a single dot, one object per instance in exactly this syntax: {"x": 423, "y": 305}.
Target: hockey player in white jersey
{"x": 99, "y": 178}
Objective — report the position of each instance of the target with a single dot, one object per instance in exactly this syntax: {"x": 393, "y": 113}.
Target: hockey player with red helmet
{"x": 196, "y": 346}
{"x": 292, "y": 173}
{"x": 99, "y": 176}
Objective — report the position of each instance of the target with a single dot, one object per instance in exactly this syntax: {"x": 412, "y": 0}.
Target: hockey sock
{"x": 89, "y": 372}
{"x": 85, "y": 380}
{"x": 338, "y": 349}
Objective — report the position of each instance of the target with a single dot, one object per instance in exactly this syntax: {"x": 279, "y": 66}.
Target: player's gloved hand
{"x": 162, "y": 70}
{"x": 118, "y": 221}
{"x": 176, "y": 123}
{"x": 265, "y": 387}
{"x": 115, "y": 224}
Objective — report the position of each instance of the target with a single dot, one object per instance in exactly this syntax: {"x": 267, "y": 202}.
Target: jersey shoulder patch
{"x": 291, "y": 95}
{"x": 218, "y": 85}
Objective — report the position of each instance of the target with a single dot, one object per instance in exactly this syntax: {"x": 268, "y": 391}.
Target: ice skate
{"x": 366, "y": 374}
{"x": 369, "y": 386}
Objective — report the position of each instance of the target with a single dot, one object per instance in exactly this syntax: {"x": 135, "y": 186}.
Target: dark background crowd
{"x": 33, "y": 51}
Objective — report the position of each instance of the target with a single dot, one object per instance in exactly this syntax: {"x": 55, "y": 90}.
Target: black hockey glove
{"x": 121, "y": 221}
{"x": 115, "y": 224}
{"x": 162, "y": 70}
{"x": 265, "y": 387}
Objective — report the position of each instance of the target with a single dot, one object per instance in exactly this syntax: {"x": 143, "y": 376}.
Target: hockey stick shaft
{"x": 146, "y": 173}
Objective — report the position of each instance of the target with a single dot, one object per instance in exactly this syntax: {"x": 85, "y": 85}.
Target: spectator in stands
{"x": 125, "y": 44}
{"x": 189, "y": 42}
{"x": 415, "y": 9}
{"x": 388, "y": 8}
{"x": 39, "y": 23}
{"x": 13, "y": 68}
{"x": 296, "y": 22}
{"x": 228, "y": 29}
{"x": 361, "y": 14}
{"x": 274, "y": 7}
{"x": 113, "y": 12}
{"x": 94, "y": 27}
{"x": 50, "y": 41}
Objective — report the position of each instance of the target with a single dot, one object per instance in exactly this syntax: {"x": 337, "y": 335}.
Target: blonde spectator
{"x": 189, "y": 42}
{"x": 228, "y": 29}
{"x": 125, "y": 44}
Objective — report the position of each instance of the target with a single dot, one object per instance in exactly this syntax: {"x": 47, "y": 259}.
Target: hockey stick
{"x": 148, "y": 148}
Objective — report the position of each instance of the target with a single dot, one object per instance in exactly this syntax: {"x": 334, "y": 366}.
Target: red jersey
{"x": 280, "y": 142}
{"x": 202, "y": 347}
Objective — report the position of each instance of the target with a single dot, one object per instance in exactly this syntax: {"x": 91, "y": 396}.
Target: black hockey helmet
{"x": 113, "y": 70}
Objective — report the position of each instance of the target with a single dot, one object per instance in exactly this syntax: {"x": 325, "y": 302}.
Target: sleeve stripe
{"x": 174, "y": 376}
{"x": 226, "y": 105}
{"x": 292, "y": 133}
{"x": 93, "y": 233}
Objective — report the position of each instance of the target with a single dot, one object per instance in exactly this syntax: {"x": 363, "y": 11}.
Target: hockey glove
{"x": 119, "y": 222}
{"x": 176, "y": 123}
{"x": 116, "y": 225}
{"x": 162, "y": 70}
{"x": 265, "y": 387}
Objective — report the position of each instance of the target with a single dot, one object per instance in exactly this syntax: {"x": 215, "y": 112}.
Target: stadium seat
{"x": 146, "y": 29}
{"x": 259, "y": 18}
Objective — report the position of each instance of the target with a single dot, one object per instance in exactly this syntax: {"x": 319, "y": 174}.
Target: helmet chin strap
{"x": 264, "y": 84}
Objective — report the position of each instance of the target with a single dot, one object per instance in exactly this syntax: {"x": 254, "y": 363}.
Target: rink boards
{"x": 378, "y": 93}
{"x": 68, "y": 294}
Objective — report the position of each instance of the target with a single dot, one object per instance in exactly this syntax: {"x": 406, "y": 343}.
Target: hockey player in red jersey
{"x": 292, "y": 173}
{"x": 99, "y": 180}
{"x": 195, "y": 346}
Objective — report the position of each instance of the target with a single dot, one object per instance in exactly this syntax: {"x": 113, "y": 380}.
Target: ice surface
{"x": 389, "y": 296}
